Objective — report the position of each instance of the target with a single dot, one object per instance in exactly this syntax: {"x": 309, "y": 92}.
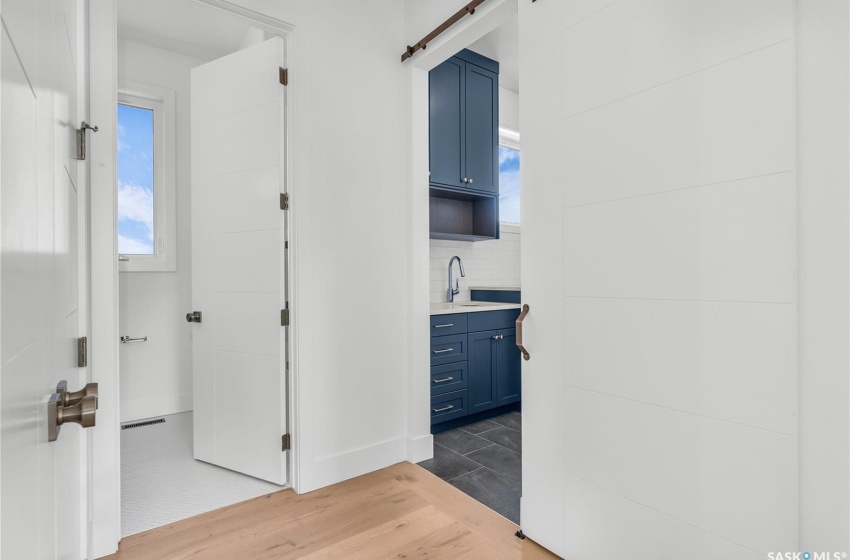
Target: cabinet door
{"x": 508, "y": 368}
{"x": 482, "y": 382}
{"x": 482, "y": 129}
{"x": 447, "y": 123}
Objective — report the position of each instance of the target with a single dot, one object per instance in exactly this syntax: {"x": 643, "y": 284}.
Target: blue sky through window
{"x": 508, "y": 185}
{"x": 135, "y": 180}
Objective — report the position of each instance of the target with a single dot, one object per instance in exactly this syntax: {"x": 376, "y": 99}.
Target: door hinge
{"x": 284, "y": 76}
{"x": 82, "y": 352}
{"x": 286, "y": 442}
{"x": 284, "y": 201}
{"x": 284, "y": 317}
{"x": 81, "y": 139}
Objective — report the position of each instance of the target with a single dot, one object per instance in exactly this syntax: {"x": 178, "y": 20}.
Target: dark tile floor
{"x": 484, "y": 460}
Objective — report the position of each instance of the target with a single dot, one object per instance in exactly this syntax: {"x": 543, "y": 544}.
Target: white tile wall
{"x": 486, "y": 263}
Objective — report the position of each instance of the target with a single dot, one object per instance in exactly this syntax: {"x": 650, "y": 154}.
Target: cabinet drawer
{"x": 442, "y": 325}
{"x": 448, "y": 406}
{"x": 493, "y": 320}
{"x": 448, "y": 377}
{"x": 448, "y": 349}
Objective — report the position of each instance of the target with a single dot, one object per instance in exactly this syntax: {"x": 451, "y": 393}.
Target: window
{"x": 508, "y": 176}
{"x": 145, "y": 181}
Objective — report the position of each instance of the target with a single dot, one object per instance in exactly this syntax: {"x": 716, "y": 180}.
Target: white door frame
{"x": 104, "y": 475}
{"x": 487, "y": 17}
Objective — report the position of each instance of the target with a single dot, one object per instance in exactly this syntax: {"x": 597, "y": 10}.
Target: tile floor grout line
{"x": 492, "y": 443}
{"x": 466, "y": 473}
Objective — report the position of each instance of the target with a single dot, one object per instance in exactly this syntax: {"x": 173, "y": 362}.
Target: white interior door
{"x": 659, "y": 261}
{"x": 40, "y": 481}
{"x": 238, "y": 261}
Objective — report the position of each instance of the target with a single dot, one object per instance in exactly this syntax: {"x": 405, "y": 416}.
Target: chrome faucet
{"x": 456, "y": 290}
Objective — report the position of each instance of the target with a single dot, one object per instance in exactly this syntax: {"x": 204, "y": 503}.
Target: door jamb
{"x": 104, "y": 466}
{"x": 488, "y": 17}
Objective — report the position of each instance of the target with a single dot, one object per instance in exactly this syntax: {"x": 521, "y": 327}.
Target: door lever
{"x": 194, "y": 317}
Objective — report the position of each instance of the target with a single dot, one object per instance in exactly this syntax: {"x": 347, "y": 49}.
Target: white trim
{"x": 162, "y": 102}
{"x": 508, "y": 138}
{"x": 420, "y": 448}
{"x": 105, "y": 463}
{"x": 343, "y": 466}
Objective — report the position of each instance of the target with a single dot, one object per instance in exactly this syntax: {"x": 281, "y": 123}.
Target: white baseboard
{"x": 336, "y": 468}
{"x": 420, "y": 448}
{"x": 162, "y": 405}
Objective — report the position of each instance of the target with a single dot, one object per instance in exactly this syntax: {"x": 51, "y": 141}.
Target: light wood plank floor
{"x": 402, "y": 511}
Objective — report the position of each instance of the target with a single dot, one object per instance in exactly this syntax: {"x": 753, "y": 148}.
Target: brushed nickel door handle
{"x": 526, "y": 356}
{"x": 70, "y": 398}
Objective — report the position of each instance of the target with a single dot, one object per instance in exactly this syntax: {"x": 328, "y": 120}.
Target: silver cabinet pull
{"x": 443, "y": 351}
{"x": 445, "y": 408}
{"x": 498, "y": 337}
{"x": 128, "y": 340}
{"x": 444, "y": 326}
{"x": 444, "y": 380}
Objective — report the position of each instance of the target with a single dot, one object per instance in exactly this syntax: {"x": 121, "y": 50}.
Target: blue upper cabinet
{"x": 482, "y": 130}
{"x": 464, "y": 123}
{"x": 447, "y": 123}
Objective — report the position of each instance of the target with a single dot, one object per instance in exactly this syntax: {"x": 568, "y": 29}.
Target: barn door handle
{"x": 519, "y": 321}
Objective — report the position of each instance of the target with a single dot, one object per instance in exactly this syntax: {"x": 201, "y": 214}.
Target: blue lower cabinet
{"x": 482, "y": 381}
{"x": 475, "y": 371}
{"x": 448, "y": 349}
{"x": 449, "y": 406}
{"x": 448, "y": 377}
{"x": 508, "y": 370}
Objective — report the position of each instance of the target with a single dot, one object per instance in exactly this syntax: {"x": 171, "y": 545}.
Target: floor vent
{"x": 142, "y": 423}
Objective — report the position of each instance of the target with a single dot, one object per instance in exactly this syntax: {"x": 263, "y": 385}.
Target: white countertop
{"x": 497, "y": 288}
{"x": 470, "y": 307}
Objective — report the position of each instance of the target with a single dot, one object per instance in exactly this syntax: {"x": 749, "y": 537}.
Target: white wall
{"x": 156, "y": 376}
{"x": 486, "y": 263}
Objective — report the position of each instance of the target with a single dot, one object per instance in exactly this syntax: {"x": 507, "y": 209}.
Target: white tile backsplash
{"x": 487, "y": 263}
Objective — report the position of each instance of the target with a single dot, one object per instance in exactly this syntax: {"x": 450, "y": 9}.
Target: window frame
{"x": 162, "y": 102}
{"x": 509, "y": 139}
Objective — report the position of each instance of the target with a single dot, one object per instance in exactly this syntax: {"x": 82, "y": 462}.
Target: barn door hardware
{"x": 81, "y": 139}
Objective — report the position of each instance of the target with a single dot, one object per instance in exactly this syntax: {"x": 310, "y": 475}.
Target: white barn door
{"x": 659, "y": 261}
{"x": 41, "y": 227}
{"x": 238, "y": 261}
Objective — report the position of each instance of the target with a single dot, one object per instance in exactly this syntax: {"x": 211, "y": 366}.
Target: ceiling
{"x": 502, "y": 44}
{"x": 178, "y": 26}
